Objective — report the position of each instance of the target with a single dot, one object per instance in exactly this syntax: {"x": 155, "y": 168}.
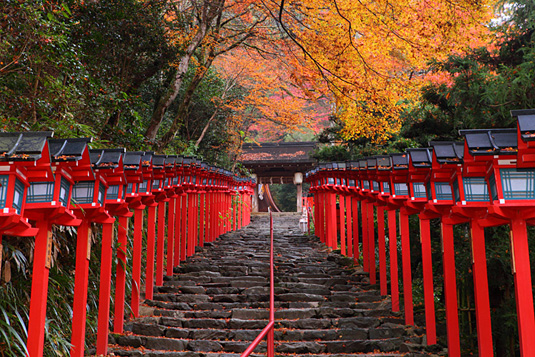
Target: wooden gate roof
{"x": 278, "y": 162}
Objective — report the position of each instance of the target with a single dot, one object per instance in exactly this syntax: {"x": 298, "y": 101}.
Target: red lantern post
{"x": 446, "y": 166}
{"x": 47, "y": 203}
{"x": 148, "y": 200}
{"x": 133, "y": 169}
{"x": 108, "y": 167}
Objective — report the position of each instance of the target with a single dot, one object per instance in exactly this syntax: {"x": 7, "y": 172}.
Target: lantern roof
{"x": 171, "y": 160}
{"x": 146, "y": 159}
{"x": 526, "y": 123}
{"x": 187, "y": 160}
{"x": 106, "y": 158}
{"x": 448, "y": 152}
{"x": 384, "y": 162}
{"x": 372, "y": 163}
{"x": 491, "y": 141}
{"x": 340, "y": 165}
{"x": 363, "y": 164}
{"x": 158, "y": 161}
{"x": 421, "y": 157}
{"x": 27, "y": 146}
{"x": 132, "y": 160}
{"x": 400, "y": 161}
{"x": 71, "y": 149}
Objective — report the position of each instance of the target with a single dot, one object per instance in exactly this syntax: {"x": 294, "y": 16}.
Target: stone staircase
{"x": 218, "y": 301}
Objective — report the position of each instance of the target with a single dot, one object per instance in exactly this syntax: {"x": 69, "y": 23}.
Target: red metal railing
{"x": 269, "y": 330}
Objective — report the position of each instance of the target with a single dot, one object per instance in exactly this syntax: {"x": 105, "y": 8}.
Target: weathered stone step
{"x": 182, "y": 306}
{"x": 157, "y": 330}
{"x": 153, "y": 353}
{"x": 300, "y": 347}
{"x": 217, "y": 303}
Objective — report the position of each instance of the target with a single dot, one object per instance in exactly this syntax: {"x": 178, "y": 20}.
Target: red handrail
{"x": 269, "y": 330}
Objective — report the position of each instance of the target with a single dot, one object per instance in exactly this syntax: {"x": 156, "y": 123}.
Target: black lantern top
{"x": 400, "y": 161}
{"x": 421, "y": 157}
{"x": 372, "y": 163}
{"x": 106, "y": 158}
{"x": 158, "y": 162}
{"x": 132, "y": 160}
{"x": 170, "y": 161}
{"x": 146, "y": 159}
{"x": 384, "y": 163}
{"x": 526, "y": 123}
{"x": 491, "y": 141}
{"x": 71, "y": 149}
{"x": 27, "y": 146}
{"x": 448, "y": 152}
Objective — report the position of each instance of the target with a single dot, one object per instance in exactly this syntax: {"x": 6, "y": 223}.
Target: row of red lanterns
{"x": 45, "y": 182}
{"x": 487, "y": 180}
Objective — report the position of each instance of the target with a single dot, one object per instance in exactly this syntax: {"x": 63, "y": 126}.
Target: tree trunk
{"x": 172, "y": 92}
{"x": 186, "y": 101}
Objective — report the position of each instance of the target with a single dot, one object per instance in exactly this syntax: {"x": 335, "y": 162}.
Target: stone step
{"x": 168, "y": 343}
{"x": 158, "y": 330}
{"x": 217, "y": 302}
{"x": 259, "y": 319}
{"x": 154, "y": 353}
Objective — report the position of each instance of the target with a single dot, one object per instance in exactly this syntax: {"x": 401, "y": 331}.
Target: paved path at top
{"x": 217, "y": 302}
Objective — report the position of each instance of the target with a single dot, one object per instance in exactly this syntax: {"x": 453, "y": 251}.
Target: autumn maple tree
{"x": 369, "y": 57}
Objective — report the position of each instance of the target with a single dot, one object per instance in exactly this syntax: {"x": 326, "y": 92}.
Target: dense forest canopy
{"x": 202, "y": 77}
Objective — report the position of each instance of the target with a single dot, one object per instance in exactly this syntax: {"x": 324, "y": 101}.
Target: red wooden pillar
{"x": 81, "y": 279}
{"x": 151, "y": 237}
{"x": 160, "y": 243}
{"x": 136, "y": 261}
{"x": 450, "y": 291}
{"x": 190, "y": 247}
{"x": 427, "y": 265}
{"x": 481, "y": 289}
{"x": 393, "y": 247}
{"x": 204, "y": 218}
{"x": 178, "y": 236}
{"x": 229, "y": 210}
{"x": 236, "y": 211}
{"x": 342, "y": 225}
{"x": 36, "y": 323}
{"x": 324, "y": 214}
{"x": 318, "y": 222}
{"x": 331, "y": 221}
{"x": 120, "y": 276}
{"x": 242, "y": 210}
{"x": 355, "y": 210}
{"x": 211, "y": 217}
{"x": 349, "y": 227}
{"x": 195, "y": 221}
{"x": 105, "y": 289}
{"x": 523, "y": 287}
{"x": 170, "y": 236}
{"x": 371, "y": 243}
{"x": 184, "y": 227}
{"x": 364, "y": 220}
{"x": 217, "y": 214}
{"x": 406, "y": 266}
{"x": 382, "y": 249}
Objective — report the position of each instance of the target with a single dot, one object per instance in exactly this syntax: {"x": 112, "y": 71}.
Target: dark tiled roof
{"x": 448, "y": 152}
{"x": 277, "y": 152}
{"x": 27, "y": 146}
{"x": 70, "y": 149}
{"x": 132, "y": 160}
{"x": 491, "y": 141}
{"x": 106, "y": 158}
